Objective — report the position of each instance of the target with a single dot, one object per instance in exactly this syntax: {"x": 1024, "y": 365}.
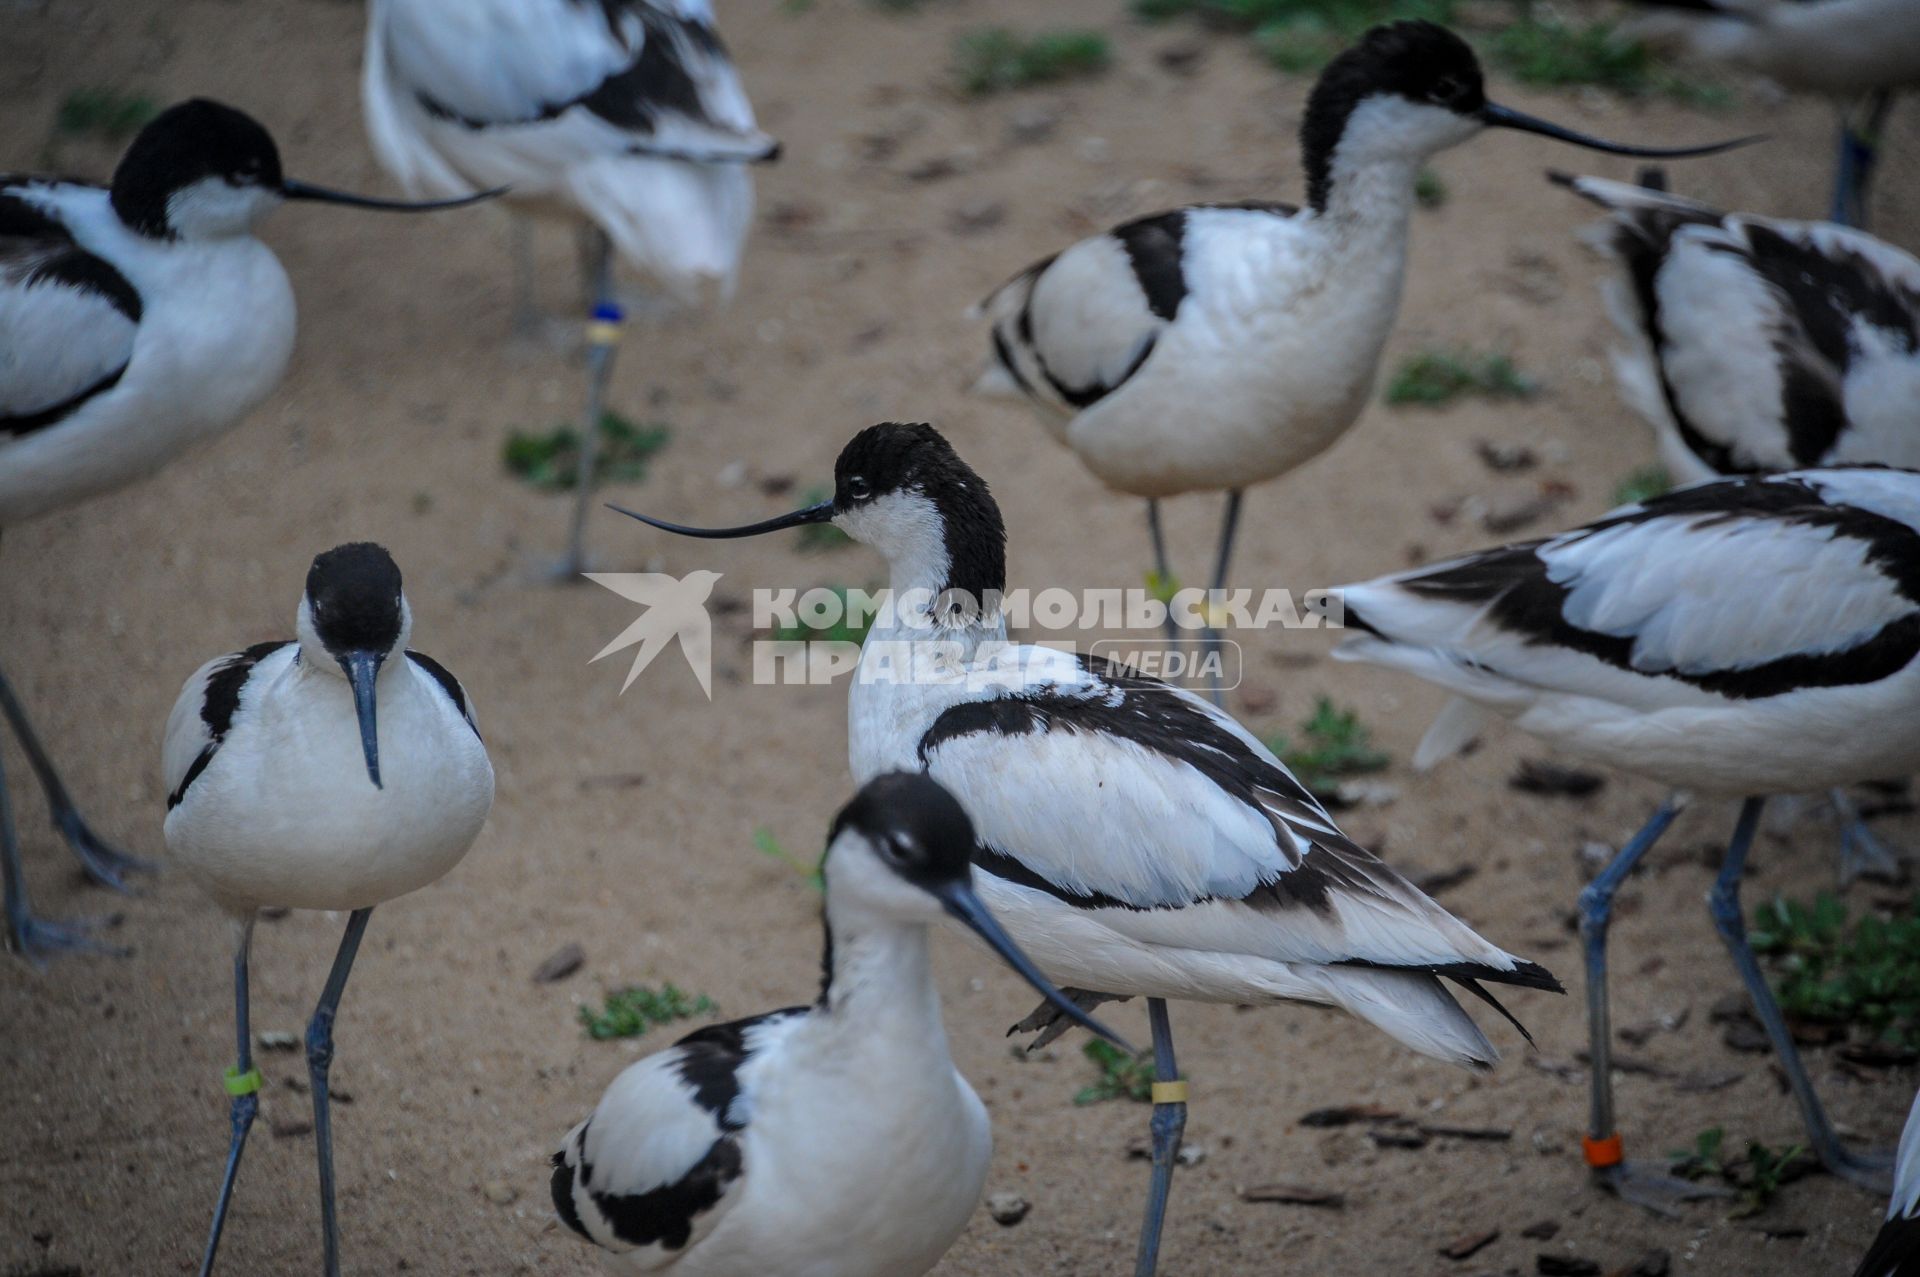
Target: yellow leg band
{"x": 238, "y": 1083}
{"x": 603, "y": 333}
{"x": 1170, "y": 1092}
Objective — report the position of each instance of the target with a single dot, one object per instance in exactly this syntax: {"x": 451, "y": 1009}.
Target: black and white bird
{"x": 1217, "y": 346}
{"x": 336, "y": 770}
{"x": 1134, "y": 838}
{"x": 1754, "y": 345}
{"x": 136, "y": 320}
{"x": 1736, "y": 639}
{"x": 1857, "y": 53}
{"x": 1896, "y": 1250}
{"x": 624, "y": 117}
{"x": 832, "y": 1140}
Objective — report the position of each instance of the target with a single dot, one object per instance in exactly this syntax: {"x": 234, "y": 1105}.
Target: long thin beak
{"x": 362, "y": 669}
{"x": 325, "y": 195}
{"x": 822, "y": 513}
{"x": 963, "y": 904}
{"x": 1495, "y": 116}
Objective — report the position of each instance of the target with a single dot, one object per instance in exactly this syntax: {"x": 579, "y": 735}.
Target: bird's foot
{"x": 105, "y": 863}
{"x": 37, "y": 939}
{"x": 1863, "y": 855}
{"x": 1049, "y": 1022}
{"x": 1872, "y": 1171}
{"x": 1649, "y": 1186}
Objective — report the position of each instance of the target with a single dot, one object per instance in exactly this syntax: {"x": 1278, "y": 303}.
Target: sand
{"x": 625, "y": 823}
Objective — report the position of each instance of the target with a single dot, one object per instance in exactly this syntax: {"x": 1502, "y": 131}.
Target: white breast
{"x": 284, "y": 814}
{"x": 1268, "y": 362}
{"x": 213, "y": 341}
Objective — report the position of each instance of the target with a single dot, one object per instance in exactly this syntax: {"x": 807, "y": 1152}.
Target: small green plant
{"x": 995, "y": 59}
{"x": 1862, "y": 975}
{"x": 104, "y": 113}
{"x": 1555, "y": 53}
{"x": 1429, "y": 190}
{"x": 771, "y": 847}
{"x": 849, "y": 626}
{"x": 1757, "y": 1177}
{"x": 1121, "y": 1076}
{"x": 552, "y": 460}
{"x": 1437, "y": 376}
{"x": 815, "y": 537}
{"x": 1296, "y": 35}
{"x": 1644, "y": 484}
{"x": 1336, "y": 744}
{"x": 631, "y": 1011}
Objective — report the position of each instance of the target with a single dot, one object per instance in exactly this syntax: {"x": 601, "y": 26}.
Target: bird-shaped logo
{"x": 676, "y": 609}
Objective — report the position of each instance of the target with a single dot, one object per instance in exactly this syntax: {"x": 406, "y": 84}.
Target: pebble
{"x": 560, "y": 964}
{"x": 1007, "y": 1209}
{"x": 501, "y": 1193}
{"x": 276, "y": 1040}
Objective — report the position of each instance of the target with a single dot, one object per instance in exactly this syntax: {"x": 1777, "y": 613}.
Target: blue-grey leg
{"x": 1858, "y": 151}
{"x": 104, "y": 863}
{"x": 1215, "y": 651}
{"x": 243, "y": 1084}
{"x": 1861, "y": 851}
{"x": 319, "y": 1060}
{"x": 1644, "y": 1184}
{"x": 603, "y": 336}
{"x": 1870, "y": 1171}
{"x": 36, "y": 939}
{"x": 1168, "y": 1125}
{"x": 1162, "y": 573}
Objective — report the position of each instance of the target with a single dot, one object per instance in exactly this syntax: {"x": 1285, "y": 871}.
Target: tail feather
{"x": 1413, "y": 1008}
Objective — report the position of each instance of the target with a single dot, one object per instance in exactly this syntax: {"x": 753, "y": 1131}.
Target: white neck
{"x": 881, "y": 990}
{"x": 1371, "y": 200}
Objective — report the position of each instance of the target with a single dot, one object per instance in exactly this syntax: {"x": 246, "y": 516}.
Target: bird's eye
{"x": 1449, "y": 88}
{"x": 858, "y": 488}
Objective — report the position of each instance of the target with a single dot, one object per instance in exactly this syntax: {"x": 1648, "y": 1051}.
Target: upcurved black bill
{"x": 294, "y": 190}
{"x": 963, "y": 904}
{"x": 363, "y": 668}
{"x": 822, "y": 513}
{"x": 1493, "y": 115}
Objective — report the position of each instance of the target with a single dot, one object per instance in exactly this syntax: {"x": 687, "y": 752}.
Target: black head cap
{"x": 184, "y": 144}
{"x": 897, "y": 457}
{"x": 354, "y": 593}
{"x": 1419, "y": 61}
{"x": 919, "y": 829}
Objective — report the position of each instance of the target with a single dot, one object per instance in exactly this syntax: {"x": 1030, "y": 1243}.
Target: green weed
{"x": 850, "y": 626}
{"x": 1121, "y": 1076}
{"x": 1643, "y": 484}
{"x": 1438, "y": 376}
{"x": 1429, "y": 190}
{"x": 106, "y": 113}
{"x": 816, "y": 537}
{"x": 771, "y": 847}
{"x": 551, "y": 461}
{"x": 995, "y": 59}
{"x": 631, "y": 1011}
{"x": 1336, "y": 744}
{"x": 1757, "y": 1177}
{"x": 1865, "y": 974}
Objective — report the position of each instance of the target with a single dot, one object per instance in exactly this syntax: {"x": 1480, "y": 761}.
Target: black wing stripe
{"x": 448, "y": 684}
{"x": 219, "y": 701}
{"x": 28, "y": 422}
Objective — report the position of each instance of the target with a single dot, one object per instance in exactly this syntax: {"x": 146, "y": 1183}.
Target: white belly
{"x": 213, "y": 341}
{"x": 1242, "y": 390}
{"x": 286, "y": 815}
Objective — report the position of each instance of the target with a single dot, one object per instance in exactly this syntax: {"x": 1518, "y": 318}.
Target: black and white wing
{"x": 443, "y": 676}
{"x": 1070, "y": 330}
{"x": 205, "y": 710}
{"x": 605, "y": 77}
{"x": 1143, "y": 804}
{"x": 1736, "y": 590}
{"x": 1896, "y": 1251}
{"x": 1766, "y": 344}
{"x": 657, "y": 1165}
{"x": 67, "y": 318}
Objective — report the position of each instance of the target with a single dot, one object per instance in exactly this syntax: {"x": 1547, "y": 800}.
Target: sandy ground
{"x": 625, "y": 823}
